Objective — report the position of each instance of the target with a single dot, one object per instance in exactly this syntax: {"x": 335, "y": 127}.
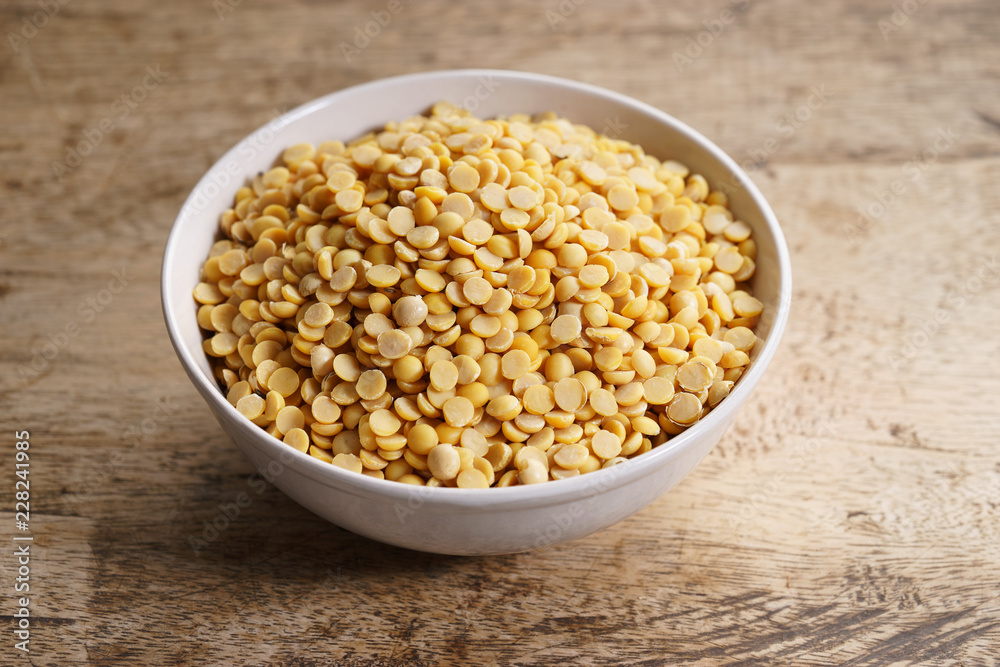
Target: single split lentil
{"x": 458, "y": 302}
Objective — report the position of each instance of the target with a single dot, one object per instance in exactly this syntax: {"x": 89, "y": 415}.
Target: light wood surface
{"x": 849, "y": 517}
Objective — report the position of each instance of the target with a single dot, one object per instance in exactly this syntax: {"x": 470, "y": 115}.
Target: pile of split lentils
{"x": 460, "y": 302}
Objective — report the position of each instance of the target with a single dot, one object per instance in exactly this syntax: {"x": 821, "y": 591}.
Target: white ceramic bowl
{"x": 468, "y": 521}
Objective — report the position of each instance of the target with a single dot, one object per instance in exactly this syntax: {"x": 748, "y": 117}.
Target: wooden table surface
{"x": 849, "y": 517}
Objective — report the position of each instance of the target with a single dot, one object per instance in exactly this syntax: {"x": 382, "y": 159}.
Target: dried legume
{"x": 467, "y": 303}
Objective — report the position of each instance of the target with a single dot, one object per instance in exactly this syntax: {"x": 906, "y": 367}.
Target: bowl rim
{"x": 537, "y": 495}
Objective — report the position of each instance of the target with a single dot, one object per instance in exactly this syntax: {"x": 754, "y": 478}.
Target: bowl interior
{"x": 487, "y": 93}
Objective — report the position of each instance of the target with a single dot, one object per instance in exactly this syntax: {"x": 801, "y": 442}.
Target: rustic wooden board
{"x": 848, "y": 518}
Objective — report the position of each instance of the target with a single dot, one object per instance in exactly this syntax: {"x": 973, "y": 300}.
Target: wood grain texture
{"x": 849, "y": 517}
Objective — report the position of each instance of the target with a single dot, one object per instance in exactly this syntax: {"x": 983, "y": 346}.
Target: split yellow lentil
{"x": 458, "y": 302}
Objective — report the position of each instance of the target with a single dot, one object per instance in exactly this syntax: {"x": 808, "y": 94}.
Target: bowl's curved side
{"x": 415, "y": 518}
{"x": 454, "y": 520}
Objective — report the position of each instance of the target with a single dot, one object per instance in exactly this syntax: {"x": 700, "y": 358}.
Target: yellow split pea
{"x": 458, "y": 302}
